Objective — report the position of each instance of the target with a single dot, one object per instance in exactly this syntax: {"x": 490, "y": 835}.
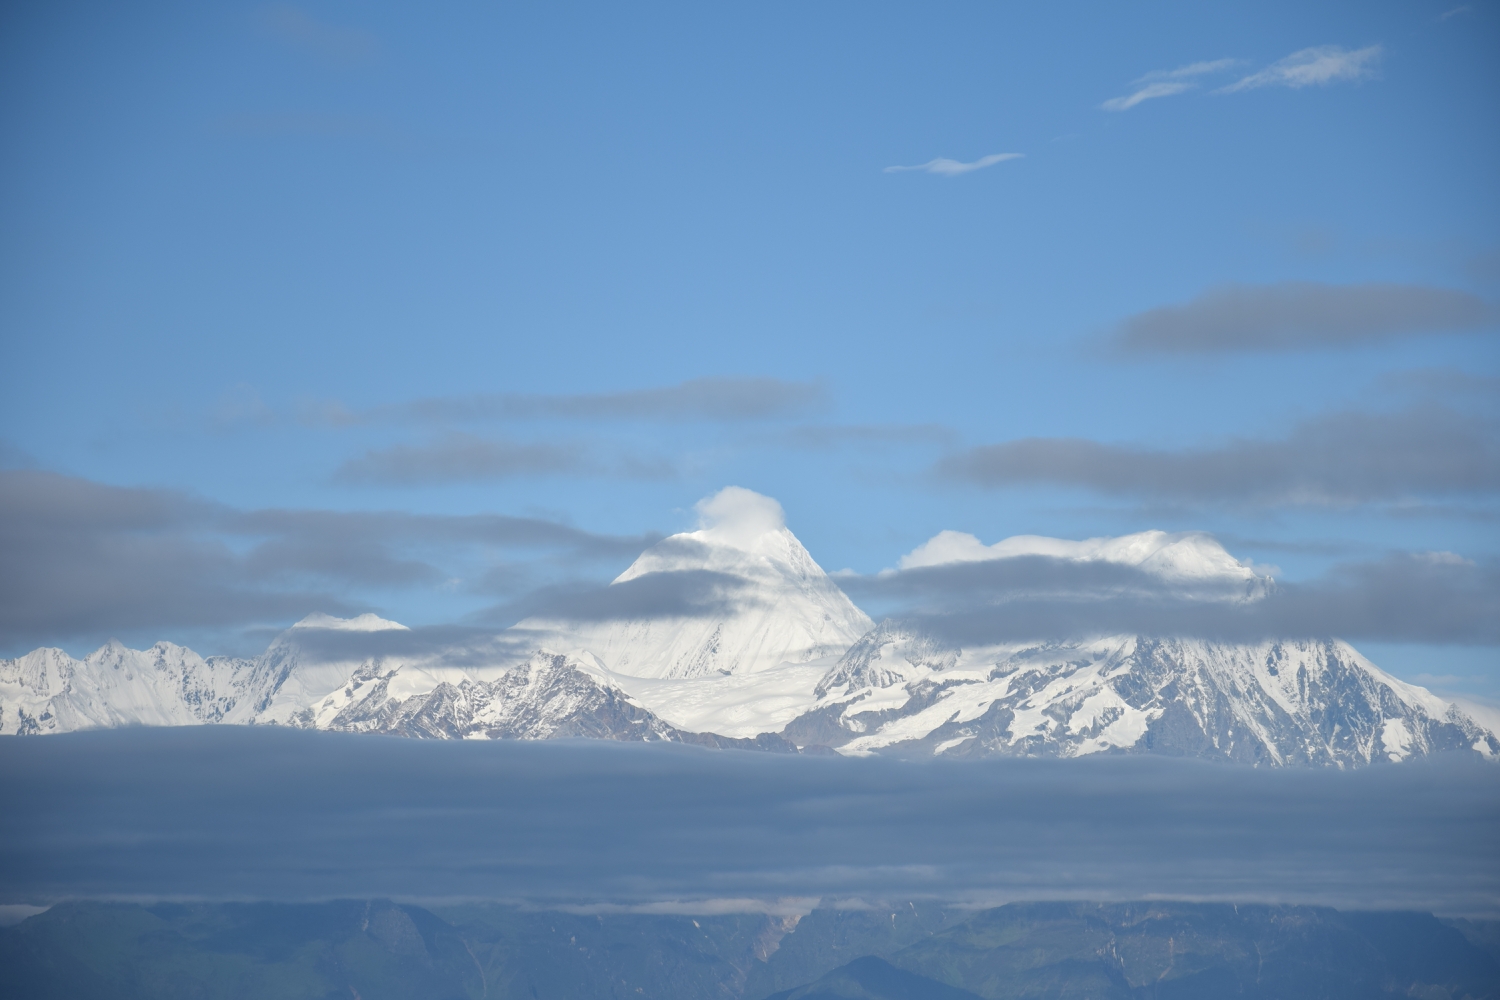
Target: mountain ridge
{"x": 884, "y": 950}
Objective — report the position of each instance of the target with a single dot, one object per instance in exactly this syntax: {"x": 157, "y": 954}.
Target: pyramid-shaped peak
{"x": 739, "y": 531}
{"x": 782, "y": 607}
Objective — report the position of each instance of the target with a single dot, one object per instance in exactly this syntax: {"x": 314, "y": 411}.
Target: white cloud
{"x": 1317, "y": 66}
{"x": 1191, "y": 69}
{"x": 1166, "y": 82}
{"x": 952, "y": 168}
{"x": 738, "y": 516}
{"x": 1164, "y": 89}
{"x": 1183, "y": 558}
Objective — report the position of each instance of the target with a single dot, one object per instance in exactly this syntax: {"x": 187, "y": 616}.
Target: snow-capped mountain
{"x": 732, "y": 635}
{"x": 1276, "y": 703}
{"x": 47, "y": 691}
{"x": 297, "y": 682}
{"x": 296, "y": 675}
{"x": 775, "y": 604}
{"x": 548, "y": 696}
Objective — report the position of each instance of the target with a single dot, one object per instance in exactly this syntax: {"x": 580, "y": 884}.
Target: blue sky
{"x": 587, "y": 264}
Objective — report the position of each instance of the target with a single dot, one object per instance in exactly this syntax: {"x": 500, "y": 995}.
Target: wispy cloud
{"x": 1464, "y": 9}
{"x": 952, "y": 168}
{"x": 1335, "y": 459}
{"x": 1146, "y": 93}
{"x": 459, "y": 458}
{"x": 724, "y": 400}
{"x": 1167, "y": 82}
{"x": 1302, "y": 315}
{"x": 1442, "y": 384}
{"x": 469, "y": 458}
{"x": 241, "y": 405}
{"x": 1317, "y": 66}
{"x": 828, "y": 437}
{"x": 1191, "y": 69}
{"x": 299, "y": 29}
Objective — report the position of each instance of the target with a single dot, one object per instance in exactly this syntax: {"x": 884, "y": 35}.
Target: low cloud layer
{"x": 1432, "y": 598}
{"x": 692, "y": 593}
{"x": 263, "y": 813}
{"x": 1336, "y": 459}
{"x": 84, "y": 560}
{"x": 1301, "y": 315}
{"x": 1435, "y": 598}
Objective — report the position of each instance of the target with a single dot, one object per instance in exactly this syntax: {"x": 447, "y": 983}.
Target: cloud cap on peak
{"x": 738, "y": 517}
{"x": 740, "y": 533}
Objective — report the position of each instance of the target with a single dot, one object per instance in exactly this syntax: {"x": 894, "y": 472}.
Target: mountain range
{"x": 733, "y": 636}
{"x": 840, "y": 950}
